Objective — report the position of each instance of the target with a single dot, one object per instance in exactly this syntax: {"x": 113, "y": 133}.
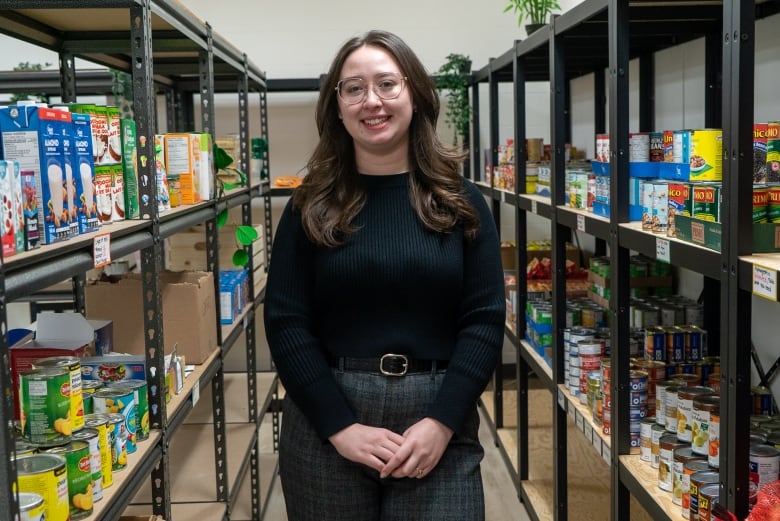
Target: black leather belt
{"x": 388, "y": 365}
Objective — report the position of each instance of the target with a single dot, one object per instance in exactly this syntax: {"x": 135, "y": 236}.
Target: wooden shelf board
{"x": 192, "y": 462}
{"x": 236, "y": 404}
{"x": 647, "y": 476}
{"x": 123, "y": 477}
{"x": 193, "y": 379}
{"x": 206, "y": 511}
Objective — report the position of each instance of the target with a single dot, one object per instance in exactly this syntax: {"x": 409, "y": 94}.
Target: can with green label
{"x": 119, "y": 400}
{"x": 79, "y": 465}
{"x": 44, "y": 405}
{"x": 92, "y": 438}
{"x": 73, "y": 366}
{"x": 100, "y": 423}
{"x": 118, "y": 438}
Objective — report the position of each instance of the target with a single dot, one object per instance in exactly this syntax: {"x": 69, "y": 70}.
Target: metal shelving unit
{"x": 599, "y": 36}
{"x": 163, "y": 47}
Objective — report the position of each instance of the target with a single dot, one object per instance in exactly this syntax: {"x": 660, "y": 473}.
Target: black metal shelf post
{"x": 559, "y": 234}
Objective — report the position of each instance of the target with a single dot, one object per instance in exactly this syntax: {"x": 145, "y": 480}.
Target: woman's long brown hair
{"x": 330, "y": 195}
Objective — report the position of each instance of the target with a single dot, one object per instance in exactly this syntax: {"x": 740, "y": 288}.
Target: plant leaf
{"x": 246, "y": 235}
{"x": 221, "y": 158}
{"x": 222, "y": 218}
{"x": 240, "y": 258}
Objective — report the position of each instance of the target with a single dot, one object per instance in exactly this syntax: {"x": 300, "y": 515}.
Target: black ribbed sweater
{"x": 394, "y": 287}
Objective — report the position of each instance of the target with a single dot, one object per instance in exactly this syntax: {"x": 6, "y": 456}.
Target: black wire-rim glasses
{"x": 386, "y": 86}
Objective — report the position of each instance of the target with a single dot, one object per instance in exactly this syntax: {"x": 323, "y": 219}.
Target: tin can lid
{"x": 29, "y": 501}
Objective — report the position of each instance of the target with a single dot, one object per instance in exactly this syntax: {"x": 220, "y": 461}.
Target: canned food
{"x": 689, "y": 380}
{"x": 46, "y": 475}
{"x": 645, "y": 438}
{"x": 22, "y": 448}
{"x": 675, "y": 344}
{"x": 99, "y": 422}
{"x": 773, "y": 202}
{"x": 141, "y": 397}
{"x": 637, "y": 381}
{"x": 73, "y": 366}
{"x": 92, "y": 438}
{"x": 706, "y": 202}
{"x": 680, "y": 457}
{"x": 705, "y": 155}
{"x": 763, "y": 402}
{"x": 655, "y": 344}
{"x": 44, "y": 402}
{"x": 667, "y": 444}
{"x": 708, "y": 497}
{"x": 31, "y": 507}
{"x": 685, "y": 397}
{"x": 660, "y": 399}
{"x": 698, "y": 481}
{"x": 79, "y": 464}
{"x": 670, "y": 409}
{"x": 679, "y": 200}
{"x": 765, "y": 463}
{"x": 690, "y": 468}
{"x": 704, "y": 407}
{"x": 655, "y": 370}
{"x": 656, "y": 434}
{"x": 760, "y": 203}
{"x": 119, "y": 400}
{"x": 656, "y": 146}
{"x": 118, "y": 436}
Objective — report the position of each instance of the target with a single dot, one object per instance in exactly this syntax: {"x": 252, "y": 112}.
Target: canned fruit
{"x": 45, "y": 406}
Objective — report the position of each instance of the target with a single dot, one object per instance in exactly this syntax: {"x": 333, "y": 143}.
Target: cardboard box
{"x": 766, "y": 236}
{"x": 57, "y": 334}
{"x": 188, "y": 311}
{"x": 187, "y": 249}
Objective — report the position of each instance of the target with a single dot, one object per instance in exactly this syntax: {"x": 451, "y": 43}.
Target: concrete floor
{"x": 501, "y": 501}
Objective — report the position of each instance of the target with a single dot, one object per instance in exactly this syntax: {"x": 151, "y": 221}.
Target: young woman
{"x": 385, "y": 304}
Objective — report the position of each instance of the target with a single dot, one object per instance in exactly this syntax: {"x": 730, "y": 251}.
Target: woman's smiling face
{"x": 379, "y": 127}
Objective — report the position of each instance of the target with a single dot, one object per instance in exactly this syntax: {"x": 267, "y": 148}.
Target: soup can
{"x": 690, "y": 468}
{"x": 708, "y": 497}
{"x": 92, "y": 438}
{"x": 100, "y": 423}
{"x": 700, "y": 480}
{"x": 685, "y": 397}
{"x": 88, "y": 388}
{"x": 667, "y": 444}
{"x": 31, "y": 507}
{"x": 765, "y": 463}
{"x": 44, "y": 402}
{"x": 704, "y": 408}
{"x": 22, "y": 448}
{"x": 680, "y": 457}
{"x": 79, "y": 464}
{"x": 73, "y": 366}
{"x": 47, "y": 476}
{"x": 657, "y": 432}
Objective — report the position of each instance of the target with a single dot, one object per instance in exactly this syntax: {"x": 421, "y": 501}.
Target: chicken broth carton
{"x": 32, "y": 136}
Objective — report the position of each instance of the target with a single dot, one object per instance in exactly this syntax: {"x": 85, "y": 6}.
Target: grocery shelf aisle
{"x": 501, "y": 499}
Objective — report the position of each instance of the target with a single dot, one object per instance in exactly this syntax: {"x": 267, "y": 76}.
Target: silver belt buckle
{"x": 390, "y": 356}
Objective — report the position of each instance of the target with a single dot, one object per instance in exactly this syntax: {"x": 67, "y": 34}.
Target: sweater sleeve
{"x": 481, "y": 326}
{"x": 296, "y": 351}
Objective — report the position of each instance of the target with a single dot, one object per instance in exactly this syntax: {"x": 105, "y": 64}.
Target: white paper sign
{"x": 561, "y": 399}
{"x": 579, "y": 421}
{"x": 580, "y": 223}
{"x": 101, "y": 250}
{"x": 606, "y": 455}
{"x": 533, "y": 206}
{"x": 588, "y": 431}
{"x": 196, "y": 392}
{"x": 662, "y": 250}
{"x": 597, "y": 442}
{"x": 764, "y": 282}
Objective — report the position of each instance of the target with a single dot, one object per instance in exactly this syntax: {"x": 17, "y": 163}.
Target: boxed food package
{"x": 233, "y": 294}
{"x": 8, "y": 219}
{"x": 113, "y": 367}
{"x": 188, "y": 311}
{"x": 130, "y": 169}
{"x": 84, "y": 166}
{"x": 179, "y": 161}
{"x": 32, "y": 136}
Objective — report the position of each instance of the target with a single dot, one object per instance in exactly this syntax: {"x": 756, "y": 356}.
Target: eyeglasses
{"x": 386, "y": 86}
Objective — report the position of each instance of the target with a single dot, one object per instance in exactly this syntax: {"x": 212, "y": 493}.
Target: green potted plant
{"x": 534, "y": 12}
{"x": 453, "y": 77}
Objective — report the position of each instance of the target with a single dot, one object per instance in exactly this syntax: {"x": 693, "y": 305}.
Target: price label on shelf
{"x": 196, "y": 392}
{"x": 580, "y": 223}
{"x": 573, "y": 412}
{"x": 606, "y": 454}
{"x": 764, "y": 282}
{"x": 561, "y": 399}
{"x": 101, "y": 250}
{"x": 503, "y": 196}
{"x": 533, "y": 206}
{"x": 662, "y": 250}
{"x": 579, "y": 421}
